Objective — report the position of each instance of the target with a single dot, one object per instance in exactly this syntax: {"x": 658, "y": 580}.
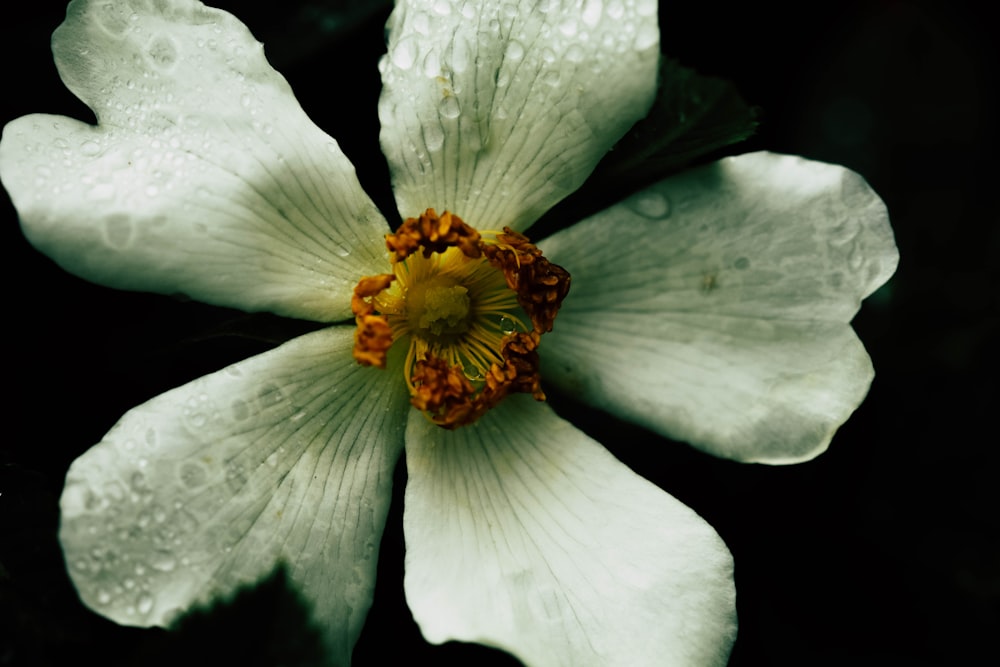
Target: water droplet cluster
{"x": 197, "y": 136}
{"x": 510, "y": 105}
{"x": 141, "y": 521}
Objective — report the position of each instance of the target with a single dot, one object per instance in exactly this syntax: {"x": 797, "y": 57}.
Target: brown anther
{"x": 540, "y": 285}
{"x": 443, "y": 393}
{"x": 434, "y": 234}
{"x": 373, "y": 337}
{"x": 450, "y": 400}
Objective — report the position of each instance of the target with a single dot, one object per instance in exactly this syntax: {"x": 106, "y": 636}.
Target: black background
{"x": 882, "y": 551}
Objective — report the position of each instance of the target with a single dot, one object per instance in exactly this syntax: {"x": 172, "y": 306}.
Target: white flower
{"x": 713, "y": 307}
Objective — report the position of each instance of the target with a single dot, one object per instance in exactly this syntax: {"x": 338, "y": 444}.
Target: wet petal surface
{"x": 497, "y": 110}
{"x": 524, "y": 534}
{"x": 284, "y": 459}
{"x": 203, "y": 176}
{"x": 714, "y": 306}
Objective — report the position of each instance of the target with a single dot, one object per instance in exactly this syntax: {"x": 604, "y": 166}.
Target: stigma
{"x": 470, "y": 308}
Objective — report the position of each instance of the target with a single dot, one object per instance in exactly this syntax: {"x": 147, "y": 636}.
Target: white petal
{"x": 496, "y": 110}
{"x": 204, "y": 176}
{"x": 285, "y": 458}
{"x": 714, "y": 306}
{"x": 524, "y": 534}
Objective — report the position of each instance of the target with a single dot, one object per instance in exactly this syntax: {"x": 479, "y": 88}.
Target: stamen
{"x": 434, "y": 234}
{"x": 373, "y": 337}
{"x": 456, "y": 302}
{"x": 541, "y": 285}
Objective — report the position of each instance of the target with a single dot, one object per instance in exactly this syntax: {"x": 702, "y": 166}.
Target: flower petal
{"x": 524, "y": 534}
{"x": 497, "y": 110}
{"x": 204, "y": 176}
{"x": 283, "y": 459}
{"x": 714, "y": 306}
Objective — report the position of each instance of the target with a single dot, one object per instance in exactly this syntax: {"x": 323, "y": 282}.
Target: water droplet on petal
{"x": 473, "y": 373}
{"x": 433, "y": 137}
{"x": 117, "y": 231}
{"x": 144, "y": 603}
{"x": 551, "y": 77}
{"x": 162, "y": 52}
{"x": 449, "y": 107}
{"x": 651, "y": 205}
{"x": 507, "y": 325}
{"x": 240, "y": 409}
{"x": 163, "y": 560}
{"x": 647, "y": 36}
{"x": 90, "y": 148}
{"x": 405, "y": 53}
{"x": 742, "y": 263}
{"x": 192, "y": 475}
{"x": 112, "y": 19}
{"x": 515, "y": 50}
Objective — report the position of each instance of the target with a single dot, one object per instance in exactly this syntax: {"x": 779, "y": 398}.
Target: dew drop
{"x": 507, "y": 325}
{"x": 405, "y": 53}
{"x": 742, "y": 263}
{"x": 117, "y": 231}
{"x": 592, "y": 12}
{"x": 240, "y": 409}
{"x": 442, "y": 7}
{"x": 433, "y": 137}
{"x": 855, "y": 258}
{"x": 236, "y": 477}
{"x": 551, "y": 77}
{"x": 272, "y": 459}
{"x": 111, "y": 18}
{"x": 449, "y": 107}
{"x": 270, "y": 394}
{"x": 90, "y": 148}
{"x": 651, "y": 205}
{"x": 568, "y": 27}
{"x": 162, "y": 52}
{"x": 547, "y": 604}
{"x": 647, "y": 37}
{"x": 103, "y": 597}
{"x": 473, "y": 373}
{"x": 432, "y": 64}
{"x": 163, "y": 561}
{"x": 192, "y": 475}
{"x": 144, "y": 603}
{"x": 575, "y": 54}
{"x": 246, "y": 100}
{"x": 515, "y": 50}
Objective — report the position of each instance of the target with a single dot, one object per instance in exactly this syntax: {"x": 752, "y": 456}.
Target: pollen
{"x": 469, "y": 307}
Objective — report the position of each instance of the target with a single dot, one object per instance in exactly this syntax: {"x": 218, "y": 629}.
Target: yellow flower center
{"x": 470, "y": 310}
